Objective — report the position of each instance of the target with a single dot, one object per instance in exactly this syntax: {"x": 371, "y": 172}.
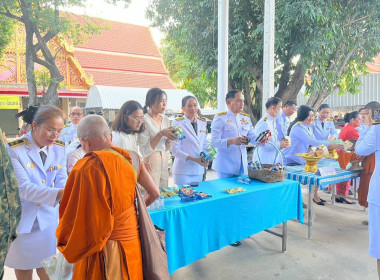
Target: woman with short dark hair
{"x": 302, "y": 137}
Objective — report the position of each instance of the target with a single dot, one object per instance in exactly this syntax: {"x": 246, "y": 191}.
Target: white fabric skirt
{"x": 374, "y": 230}
{"x": 29, "y": 249}
{"x": 182, "y": 179}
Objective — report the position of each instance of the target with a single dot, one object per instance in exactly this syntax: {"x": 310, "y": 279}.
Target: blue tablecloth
{"x": 296, "y": 173}
{"x": 194, "y": 229}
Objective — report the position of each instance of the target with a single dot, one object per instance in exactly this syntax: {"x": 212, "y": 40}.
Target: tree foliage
{"x": 43, "y": 21}
{"x": 6, "y": 29}
{"x": 186, "y": 73}
{"x": 325, "y": 41}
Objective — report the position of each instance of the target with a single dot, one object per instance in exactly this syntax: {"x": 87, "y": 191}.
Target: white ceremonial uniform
{"x": 301, "y": 136}
{"x": 75, "y": 155}
{"x": 38, "y": 186}
{"x": 69, "y": 133}
{"x": 187, "y": 171}
{"x": 282, "y": 123}
{"x": 267, "y": 153}
{"x": 230, "y": 160}
{"x": 325, "y": 132}
{"x": 367, "y": 144}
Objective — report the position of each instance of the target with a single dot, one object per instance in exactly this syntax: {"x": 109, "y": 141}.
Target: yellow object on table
{"x": 311, "y": 162}
{"x": 233, "y": 191}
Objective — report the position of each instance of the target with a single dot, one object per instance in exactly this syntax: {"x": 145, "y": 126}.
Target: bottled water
{"x": 244, "y": 180}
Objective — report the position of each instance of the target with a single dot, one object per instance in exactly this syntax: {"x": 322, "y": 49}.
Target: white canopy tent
{"x": 109, "y": 99}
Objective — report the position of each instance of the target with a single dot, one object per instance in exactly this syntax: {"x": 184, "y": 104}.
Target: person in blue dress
{"x": 188, "y": 164}
{"x": 283, "y": 121}
{"x": 369, "y": 143}
{"x": 324, "y": 127}
{"x": 302, "y": 136}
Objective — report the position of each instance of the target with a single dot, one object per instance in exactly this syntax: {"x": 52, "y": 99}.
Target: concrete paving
{"x": 338, "y": 250}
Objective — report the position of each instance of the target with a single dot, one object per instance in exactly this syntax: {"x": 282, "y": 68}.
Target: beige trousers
{"x": 159, "y": 163}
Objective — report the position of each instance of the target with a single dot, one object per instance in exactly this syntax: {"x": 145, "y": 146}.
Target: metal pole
{"x": 268, "y": 71}
{"x": 222, "y": 53}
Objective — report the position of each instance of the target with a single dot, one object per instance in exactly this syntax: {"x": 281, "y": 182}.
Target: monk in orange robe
{"x": 98, "y": 226}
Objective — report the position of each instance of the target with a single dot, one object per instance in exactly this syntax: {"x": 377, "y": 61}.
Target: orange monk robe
{"x": 98, "y": 226}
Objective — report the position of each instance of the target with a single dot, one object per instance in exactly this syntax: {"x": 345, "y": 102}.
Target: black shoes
{"x": 235, "y": 244}
{"x": 343, "y": 200}
{"x": 319, "y": 203}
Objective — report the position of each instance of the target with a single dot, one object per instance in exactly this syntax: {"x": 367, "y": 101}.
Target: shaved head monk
{"x": 98, "y": 226}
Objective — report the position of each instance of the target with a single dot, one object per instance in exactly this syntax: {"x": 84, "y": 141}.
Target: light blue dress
{"x": 369, "y": 143}
{"x": 301, "y": 136}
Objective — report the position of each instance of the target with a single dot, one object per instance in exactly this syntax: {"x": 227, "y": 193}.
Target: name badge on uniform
{"x": 202, "y": 131}
{"x": 230, "y": 127}
{"x": 54, "y": 168}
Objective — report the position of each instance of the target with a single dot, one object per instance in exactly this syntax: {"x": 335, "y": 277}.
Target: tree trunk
{"x": 29, "y": 62}
{"x": 317, "y": 99}
{"x": 290, "y": 92}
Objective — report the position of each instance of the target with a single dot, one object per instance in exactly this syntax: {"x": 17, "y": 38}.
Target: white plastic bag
{"x": 57, "y": 268}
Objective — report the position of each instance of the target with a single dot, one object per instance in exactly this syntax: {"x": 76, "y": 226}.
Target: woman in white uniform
{"x": 188, "y": 164}
{"x": 369, "y": 143}
{"x": 157, "y": 137}
{"x": 38, "y": 159}
{"x": 128, "y": 123}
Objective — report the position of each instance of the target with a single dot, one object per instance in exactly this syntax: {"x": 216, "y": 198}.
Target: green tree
{"x": 326, "y": 42}
{"x": 6, "y": 29}
{"x": 186, "y": 73}
{"x": 43, "y": 21}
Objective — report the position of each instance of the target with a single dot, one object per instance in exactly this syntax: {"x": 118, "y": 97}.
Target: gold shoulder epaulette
{"x": 245, "y": 114}
{"x": 222, "y": 113}
{"x": 18, "y": 142}
{"x": 329, "y": 120}
{"x": 299, "y": 123}
{"x": 265, "y": 119}
{"x": 60, "y": 143}
{"x": 201, "y": 119}
{"x": 179, "y": 118}
{"x": 66, "y": 125}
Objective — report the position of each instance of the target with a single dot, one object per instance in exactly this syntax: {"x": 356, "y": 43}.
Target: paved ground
{"x": 337, "y": 251}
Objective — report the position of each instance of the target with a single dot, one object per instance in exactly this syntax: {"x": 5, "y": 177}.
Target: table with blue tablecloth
{"x": 296, "y": 173}
{"x": 194, "y": 229}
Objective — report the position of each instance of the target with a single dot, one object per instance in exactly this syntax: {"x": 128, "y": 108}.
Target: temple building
{"x": 122, "y": 55}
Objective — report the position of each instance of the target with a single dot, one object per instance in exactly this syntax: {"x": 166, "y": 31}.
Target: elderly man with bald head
{"x": 98, "y": 226}
{"x": 69, "y": 133}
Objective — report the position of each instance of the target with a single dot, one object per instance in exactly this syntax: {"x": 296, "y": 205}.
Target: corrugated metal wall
{"x": 369, "y": 91}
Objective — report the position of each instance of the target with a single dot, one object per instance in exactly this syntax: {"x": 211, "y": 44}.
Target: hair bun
{"x": 28, "y": 114}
